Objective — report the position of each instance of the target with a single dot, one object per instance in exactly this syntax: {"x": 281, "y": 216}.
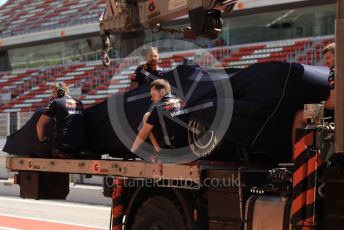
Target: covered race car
{"x": 252, "y": 108}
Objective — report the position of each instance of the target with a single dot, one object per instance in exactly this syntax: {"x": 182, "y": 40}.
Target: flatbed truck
{"x": 200, "y": 195}
{"x": 306, "y": 193}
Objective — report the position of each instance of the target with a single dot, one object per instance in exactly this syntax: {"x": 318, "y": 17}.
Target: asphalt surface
{"x": 27, "y": 214}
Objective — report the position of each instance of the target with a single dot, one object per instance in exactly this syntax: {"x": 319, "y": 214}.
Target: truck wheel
{"x": 204, "y": 143}
{"x": 159, "y": 213}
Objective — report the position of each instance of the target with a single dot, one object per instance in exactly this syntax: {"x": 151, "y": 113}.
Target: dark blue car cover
{"x": 266, "y": 98}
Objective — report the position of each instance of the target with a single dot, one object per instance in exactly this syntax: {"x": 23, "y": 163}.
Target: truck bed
{"x": 117, "y": 168}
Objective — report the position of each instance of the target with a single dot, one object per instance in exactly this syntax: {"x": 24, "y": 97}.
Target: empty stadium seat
{"x": 41, "y": 15}
{"x": 29, "y": 88}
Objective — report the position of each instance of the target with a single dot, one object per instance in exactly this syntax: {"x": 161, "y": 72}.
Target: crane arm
{"x": 130, "y": 15}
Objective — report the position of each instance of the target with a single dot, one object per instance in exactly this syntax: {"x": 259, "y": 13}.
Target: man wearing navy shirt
{"x": 160, "y": 129}
{"x": 329, "y": 61}
{"x": 145, "y": 74}
{"x": 68, "y": 117}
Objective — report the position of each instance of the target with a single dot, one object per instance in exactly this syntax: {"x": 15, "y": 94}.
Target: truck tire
{"x": 159, "y": 213}
{"x": 204, "y": 143}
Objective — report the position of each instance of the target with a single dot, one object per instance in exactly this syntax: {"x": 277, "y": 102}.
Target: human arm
{"x": 133, "y": 85}
{"x": 142, "y": 136}
{"x": 154, "y": 142}
{"x": 329, "y": 104}
{"x": 136, "y": 78}
{"x": 46, "y": 117}
{"x": 42, "y": 122}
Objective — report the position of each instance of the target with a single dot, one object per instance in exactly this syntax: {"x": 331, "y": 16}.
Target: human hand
{"x": 157, "y": 149}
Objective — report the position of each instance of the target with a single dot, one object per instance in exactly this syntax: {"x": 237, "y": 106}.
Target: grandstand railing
{"x": 50, "y": 18}
{"x": 4, "y": 124}
{"x": 95, "y": 83}
{"x": 11, "y": 122}
{"x": 65, "y": 60}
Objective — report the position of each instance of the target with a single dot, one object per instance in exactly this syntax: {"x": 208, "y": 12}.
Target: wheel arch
{"x": 188, "y": 199}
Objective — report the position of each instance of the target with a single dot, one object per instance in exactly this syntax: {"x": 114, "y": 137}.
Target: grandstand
{"x": 29, "y": 88}
{"x": 27, "y": 16}
{"x": 44, "y": 41}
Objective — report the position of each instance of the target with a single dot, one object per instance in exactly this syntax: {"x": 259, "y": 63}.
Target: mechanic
{"x": 329, "y": 61}
{"x": 329, "y": 55}
{"x": 164, "y": 102}
{"x": 68, "y": 117}
{"x": 146, "y": 73}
